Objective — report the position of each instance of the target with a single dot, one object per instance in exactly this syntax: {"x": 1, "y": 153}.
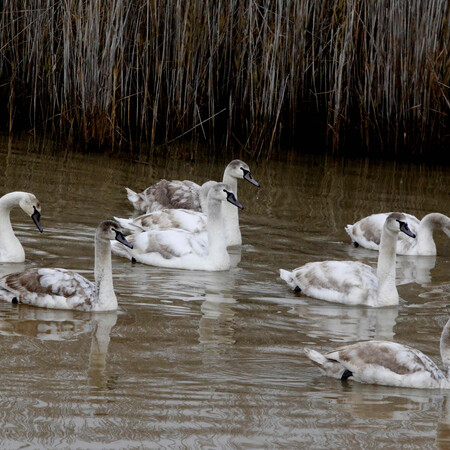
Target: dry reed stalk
{"x": 375, "y": 73}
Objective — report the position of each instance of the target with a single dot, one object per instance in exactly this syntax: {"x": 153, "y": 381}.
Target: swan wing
{"x": 172, "y": 194}
{"x": 169, "y": 243}
{"x": 348, "y": 282}
{"x": 367, "y": 232}
{"x": 183, "y": 219}
{"x": 388, "y": 363}
{"x": 48, "y": 288}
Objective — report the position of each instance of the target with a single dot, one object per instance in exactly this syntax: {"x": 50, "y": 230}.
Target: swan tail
{"x": 132, "y": 196}
{"x": 349, "y": 230}
{"x": 128, "y": 224}
{"x": 287, "y": 276}
{"x": 330, "y": 367}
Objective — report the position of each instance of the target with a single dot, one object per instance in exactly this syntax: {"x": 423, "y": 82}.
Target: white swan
{"x": 185, "y": 194}
{"x": 164, "y": 219}
{"x": 351, "y": 282}
{"x": 387, "y": 363}
{"x": 186, "y": 219}
{"x": 11, "y": 249}
{"x": 64, "y": 289}
{"x": 180, "y": 249}
{"x": 367, "y": 232}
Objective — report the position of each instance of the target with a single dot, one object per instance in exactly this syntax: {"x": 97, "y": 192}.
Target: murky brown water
{"x": 207, "y": 360}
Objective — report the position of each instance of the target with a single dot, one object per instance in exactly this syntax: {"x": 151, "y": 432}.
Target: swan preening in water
{"x": 64, "y": 289}
{"x": 180, "y": 249}
{"x": 367, "y": 233}
{"x": 187, "y": 195}
{"x": 387, "y": 363}
{"x": 11, "y": 249}
{"x": 351, "y": 282}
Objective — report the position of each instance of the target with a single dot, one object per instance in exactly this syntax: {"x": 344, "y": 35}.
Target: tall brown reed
{"x": 256, "y": 73}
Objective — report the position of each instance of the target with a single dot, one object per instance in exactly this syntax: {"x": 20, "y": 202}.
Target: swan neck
{"x": 231, "y": 181}
{"x": 10, "y": 247}
{"x": 425, "y": 241}
{"x": 216, "y": 232}
{"x": 104, "y": 289}
{"x": 387, "y": 290}
{"x": 445, "y": 348}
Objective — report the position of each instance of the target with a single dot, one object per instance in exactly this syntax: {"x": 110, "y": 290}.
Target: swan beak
{"x": 121, "y": 238}
{"x": 233, "y": 200}
{"x": 249, "y": 177}
{"x": 36, "y": 216}
{"x": 404, "y": 227}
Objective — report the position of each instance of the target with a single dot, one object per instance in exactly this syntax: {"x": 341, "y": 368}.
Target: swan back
{"x": 381, "y": 362}
{"x": 166, "y": 195}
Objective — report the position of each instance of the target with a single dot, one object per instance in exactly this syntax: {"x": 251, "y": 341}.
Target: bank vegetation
{"x": 258, "y": 74}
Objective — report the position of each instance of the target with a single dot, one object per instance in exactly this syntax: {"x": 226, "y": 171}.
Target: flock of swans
{"x": 185, "y": 225}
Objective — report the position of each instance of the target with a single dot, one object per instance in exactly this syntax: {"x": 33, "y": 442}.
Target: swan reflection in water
{"x": 348, "y": 324}
{"x": 216, "y": 325}
{"x": 58, "y": 325}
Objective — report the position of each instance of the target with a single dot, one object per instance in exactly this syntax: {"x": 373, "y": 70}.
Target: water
{"x": 207, "y": 360}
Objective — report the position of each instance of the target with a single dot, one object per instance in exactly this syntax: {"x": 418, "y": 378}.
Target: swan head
{"x": 396, "y": 222}
{"x": 238, "y": 169}
{"x": 31, "y": 206}
{"x": 109, "y": 230}
{"x": 222, "y": 192}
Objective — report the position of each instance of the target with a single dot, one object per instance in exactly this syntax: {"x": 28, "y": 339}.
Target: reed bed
{"x": 259, "y": 74}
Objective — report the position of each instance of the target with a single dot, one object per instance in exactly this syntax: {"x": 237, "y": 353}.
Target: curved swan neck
{"x": 425, "y": 241}
{"x": 387, "y": 290}
{"x": 10, "y": 248}
{"x": 231, "y": 181}
{"x": 216, "y": 233}
{"x": 104, "y": 289}
{"x": 231, "y": 213}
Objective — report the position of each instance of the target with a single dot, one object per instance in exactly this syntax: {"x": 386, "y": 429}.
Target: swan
{"x": 184, "y": 219}
{"x": 366, "y": 233}
{"x": 64, "y": 289}
{"x": 351, "y": 282}
{"x": 180, "y": 249}
{"x": 185, "y": 194}
{"x": 164, "y": 219}
{"x": 11, "y": 249}
{"x": 387, "y": 363}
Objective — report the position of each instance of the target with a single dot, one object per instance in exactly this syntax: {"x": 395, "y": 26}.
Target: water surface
{"x": 208, "y": 360}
